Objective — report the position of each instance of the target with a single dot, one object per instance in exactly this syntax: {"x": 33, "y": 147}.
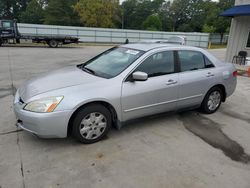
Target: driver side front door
{"x": 157, "y": 94}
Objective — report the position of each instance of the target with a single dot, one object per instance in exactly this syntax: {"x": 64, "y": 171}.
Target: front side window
{"x": 158, "y": 64}
{"x": 112, "y": 62}
{"x": 191, "y": 60}
{"x": 248, "y": 40}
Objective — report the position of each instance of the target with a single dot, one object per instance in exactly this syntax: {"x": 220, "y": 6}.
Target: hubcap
{"x": 214, "y": 100}
{"x": 93, "y": 125}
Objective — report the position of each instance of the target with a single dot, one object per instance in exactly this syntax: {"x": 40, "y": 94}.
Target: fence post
{"x": 95, "y": 35}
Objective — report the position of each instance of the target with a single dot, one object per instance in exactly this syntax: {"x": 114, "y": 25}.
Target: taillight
{"x": 235, "y": 73}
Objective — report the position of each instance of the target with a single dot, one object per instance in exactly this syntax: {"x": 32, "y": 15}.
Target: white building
{"x": 239, "y": 36}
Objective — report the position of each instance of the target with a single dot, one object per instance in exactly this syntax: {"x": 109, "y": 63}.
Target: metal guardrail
{"x": 106, "y": 35}
{"x": 215, "y": 38}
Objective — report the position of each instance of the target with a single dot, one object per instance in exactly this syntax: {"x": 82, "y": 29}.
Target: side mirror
{"x": 139, "y": 76}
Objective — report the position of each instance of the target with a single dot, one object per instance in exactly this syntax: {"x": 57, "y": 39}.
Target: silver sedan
{"x": 120, "y": 84}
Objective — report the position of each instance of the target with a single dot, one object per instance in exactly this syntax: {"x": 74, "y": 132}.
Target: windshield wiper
{"x": 88, "y": 70}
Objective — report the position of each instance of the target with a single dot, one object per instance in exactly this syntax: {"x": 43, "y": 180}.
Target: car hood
{"x": 62, "y": 78}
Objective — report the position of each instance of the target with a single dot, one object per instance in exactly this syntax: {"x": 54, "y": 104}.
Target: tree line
{"x": 156, "y": 15}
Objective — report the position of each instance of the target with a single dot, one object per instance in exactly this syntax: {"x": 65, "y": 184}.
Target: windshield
{"x": 112, "y": 62}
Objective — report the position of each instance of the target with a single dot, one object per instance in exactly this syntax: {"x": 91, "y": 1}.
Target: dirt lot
{"x": 171, "y": 150}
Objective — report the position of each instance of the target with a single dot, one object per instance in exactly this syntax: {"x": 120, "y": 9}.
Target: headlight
{"x": 44, "y": 105}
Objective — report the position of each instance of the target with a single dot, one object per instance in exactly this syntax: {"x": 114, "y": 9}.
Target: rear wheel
{"x": 91, "y": 123}
{"x": 53, "y": 43}
{"x": 212, "y": 100}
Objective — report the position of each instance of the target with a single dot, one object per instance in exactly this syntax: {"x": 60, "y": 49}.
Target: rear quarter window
{"x": 208, "y": 63}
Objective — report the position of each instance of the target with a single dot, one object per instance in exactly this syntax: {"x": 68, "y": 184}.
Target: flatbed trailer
{"x": 9, "y": 34}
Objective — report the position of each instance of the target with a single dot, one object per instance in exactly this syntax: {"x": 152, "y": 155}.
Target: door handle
{"x": 209, "y": 74}
{"x": 171, "y": 82}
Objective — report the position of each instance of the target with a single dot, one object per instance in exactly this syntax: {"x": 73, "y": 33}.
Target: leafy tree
{"x": 5, "y": 9}
{"x": 164, "y": 14}
{"x": 34, "y": 13}
{"x": 185, "y": 27}
{"x": 97, "y": 13}
{"x": 10, "y": 9}
{"x": 136, "y": 11}
{"x": 208, "y": 29}
{"x": 220, "y": 24}
{"x": 60, "y": 12}
{"x": 186, "y": 14}
{"x": 128, "y": 11}
{"x": 180, "y": 15}
{"x": 153, "y": 23}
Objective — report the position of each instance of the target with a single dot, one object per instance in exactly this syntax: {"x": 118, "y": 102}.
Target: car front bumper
{"x": 44, "y": 125}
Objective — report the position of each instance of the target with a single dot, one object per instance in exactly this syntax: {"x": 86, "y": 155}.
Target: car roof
{"x": 150, "y": 46}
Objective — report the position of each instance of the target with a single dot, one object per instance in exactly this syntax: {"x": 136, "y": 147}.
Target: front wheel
{"x": 212, "y": 100}
{"x": 91, "y": 123}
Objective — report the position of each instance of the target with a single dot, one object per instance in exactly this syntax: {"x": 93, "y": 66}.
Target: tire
{"x": 212, "y": 100}
{"x": 91, "y": 123}
{"x": 53, "y": 43}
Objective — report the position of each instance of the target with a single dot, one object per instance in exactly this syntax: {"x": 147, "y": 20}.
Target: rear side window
{"x": 158, "y": 64}
{"x": 191, "y": 60}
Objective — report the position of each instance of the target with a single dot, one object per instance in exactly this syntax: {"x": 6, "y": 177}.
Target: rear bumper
{"x": 45, "y": 125}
